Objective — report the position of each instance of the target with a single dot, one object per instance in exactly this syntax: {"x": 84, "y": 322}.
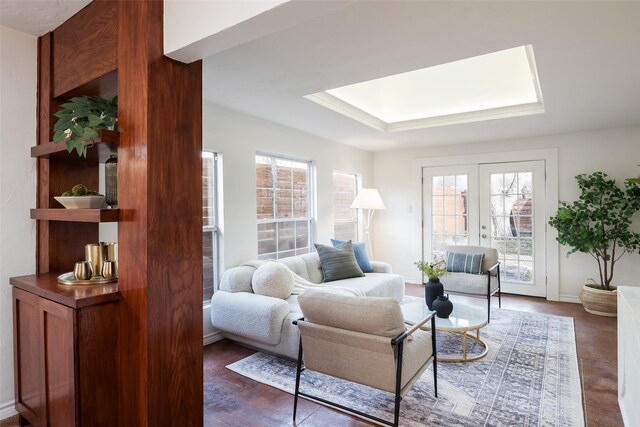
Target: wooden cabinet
{"x": 65, "y": 342}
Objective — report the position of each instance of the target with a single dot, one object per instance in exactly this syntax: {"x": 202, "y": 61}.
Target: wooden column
{"x": 160, "y": 229}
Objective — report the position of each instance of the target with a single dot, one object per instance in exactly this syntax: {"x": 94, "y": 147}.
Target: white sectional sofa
{"x": 264, "y": 322}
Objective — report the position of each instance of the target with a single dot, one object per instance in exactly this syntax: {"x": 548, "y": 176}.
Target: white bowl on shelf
{"x": 82, "y": 202}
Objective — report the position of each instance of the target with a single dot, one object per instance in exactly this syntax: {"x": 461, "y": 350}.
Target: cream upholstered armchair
{"x": 363, "y": 340}
{"x": 474, "y": 271}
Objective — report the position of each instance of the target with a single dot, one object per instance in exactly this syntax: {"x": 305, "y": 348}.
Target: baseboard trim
{"x": 211, "y": 338}
{"x": 570, "y": 298}
{"x": 8, "y": 409}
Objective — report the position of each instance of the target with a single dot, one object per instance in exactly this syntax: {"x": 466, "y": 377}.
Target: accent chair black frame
{"x": 397, "y": 342}
{"x": 489, "y": 294}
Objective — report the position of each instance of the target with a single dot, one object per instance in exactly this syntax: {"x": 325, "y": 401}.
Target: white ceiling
{"x": 587, "y": 54}
{"x": 38, "y": 17}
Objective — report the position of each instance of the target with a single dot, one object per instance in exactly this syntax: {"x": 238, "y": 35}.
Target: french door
{"x": 497, "y": 205}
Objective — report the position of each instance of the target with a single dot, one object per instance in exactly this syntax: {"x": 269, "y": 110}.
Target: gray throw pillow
{"x": 464, "y": 263}
{"x": 339, "y": 262}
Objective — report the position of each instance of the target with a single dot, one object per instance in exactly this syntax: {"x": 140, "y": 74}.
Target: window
{"x": 345, "y": 219}
{"x": 209, "y": 223}
{"x": 283, "y": 207}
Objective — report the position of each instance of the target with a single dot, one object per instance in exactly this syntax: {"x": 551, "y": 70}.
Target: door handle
{"x": 484, "y": 227}
{"x": 484, "y": 236}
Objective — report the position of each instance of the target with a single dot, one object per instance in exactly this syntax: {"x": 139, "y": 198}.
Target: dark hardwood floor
{"x": 233, "y": 400}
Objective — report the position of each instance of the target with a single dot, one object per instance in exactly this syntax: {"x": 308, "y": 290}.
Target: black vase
{"x": 443, "y": 306}
{"x": 432, "y": 290}
{"x": 111, "y": 181}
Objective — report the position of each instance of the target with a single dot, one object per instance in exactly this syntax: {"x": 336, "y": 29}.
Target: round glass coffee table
{"x": 464, "y": 320}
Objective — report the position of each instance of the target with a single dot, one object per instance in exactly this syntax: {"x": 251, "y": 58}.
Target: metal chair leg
{"x": 499, "y": 289}
{"x": 489, "y": 309}
{"x": 396, "y": 410}
{"x": 435, "y": 356}
{"x": 298, "y": 371}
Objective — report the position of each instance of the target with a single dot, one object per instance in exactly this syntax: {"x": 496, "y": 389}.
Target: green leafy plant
{"x": 634, "y": 180}
{"x": 81, "y": 118}
{"x": 599, "y": 222}
{"x": 433, "y": 270}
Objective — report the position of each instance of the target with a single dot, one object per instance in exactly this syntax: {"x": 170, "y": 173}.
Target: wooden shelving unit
{"x": 67, "y": 336}
{"x": 74, "y": 364}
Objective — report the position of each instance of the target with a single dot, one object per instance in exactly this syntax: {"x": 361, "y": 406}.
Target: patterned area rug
{"x": 528, "y": 378}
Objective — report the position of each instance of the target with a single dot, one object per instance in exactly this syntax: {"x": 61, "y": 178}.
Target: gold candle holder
{"x": 96, "y": 254}
{"x": 112, "y": 251}
{"x": 110, "y": 269}
{"x": 83, "y": 270}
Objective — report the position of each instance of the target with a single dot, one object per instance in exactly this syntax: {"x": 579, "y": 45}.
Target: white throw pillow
{"x": 273, "y": 279}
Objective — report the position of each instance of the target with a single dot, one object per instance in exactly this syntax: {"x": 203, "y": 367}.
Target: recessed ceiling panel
{"x": 495, "y": 85}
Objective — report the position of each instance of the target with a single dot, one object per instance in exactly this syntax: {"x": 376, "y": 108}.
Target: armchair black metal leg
{"x": 435, "y": 356}
{"x": 499, "y": 289}
{"x": 396, "y": 411}
{"x": 488, "y": 296}
{"x": 298, "y": 371}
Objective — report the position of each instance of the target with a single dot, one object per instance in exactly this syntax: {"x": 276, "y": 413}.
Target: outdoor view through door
{"x": 496, "y": 205}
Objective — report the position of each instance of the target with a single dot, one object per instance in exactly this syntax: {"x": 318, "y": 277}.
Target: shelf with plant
{"x": 99, "y": 149}
{"x": 88, "y": 126}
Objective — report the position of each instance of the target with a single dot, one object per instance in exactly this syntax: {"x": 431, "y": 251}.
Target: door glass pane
{"x": 449, "y": 212}
{"x": 511, "y": 222}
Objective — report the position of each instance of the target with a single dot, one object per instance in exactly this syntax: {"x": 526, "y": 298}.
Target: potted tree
{"x": 599, "y": 223}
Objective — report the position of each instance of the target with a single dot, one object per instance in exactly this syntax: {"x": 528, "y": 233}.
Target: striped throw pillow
{"x": 339, "y": 262}
{"x": 464, "y": 263}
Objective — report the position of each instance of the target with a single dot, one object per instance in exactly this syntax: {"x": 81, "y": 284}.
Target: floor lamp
{"x": 368, "y": 198}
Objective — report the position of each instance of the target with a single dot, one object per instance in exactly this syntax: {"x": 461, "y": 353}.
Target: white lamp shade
{"x": 368, "y": 198}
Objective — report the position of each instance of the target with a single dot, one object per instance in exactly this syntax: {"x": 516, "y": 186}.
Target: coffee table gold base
{"x": 466, "y": 358}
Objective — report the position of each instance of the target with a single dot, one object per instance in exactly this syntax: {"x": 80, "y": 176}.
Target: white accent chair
{"x": 363, "y": 340}
{"x": 483, "y": 285}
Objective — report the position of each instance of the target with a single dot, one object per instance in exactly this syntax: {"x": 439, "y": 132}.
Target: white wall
{"x": 398, "y": 233}
{"x": 238, "y": 137}
{"x": 18, "y": 53}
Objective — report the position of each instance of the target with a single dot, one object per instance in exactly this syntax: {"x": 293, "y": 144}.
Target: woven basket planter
{"x": 600, "y": 302}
